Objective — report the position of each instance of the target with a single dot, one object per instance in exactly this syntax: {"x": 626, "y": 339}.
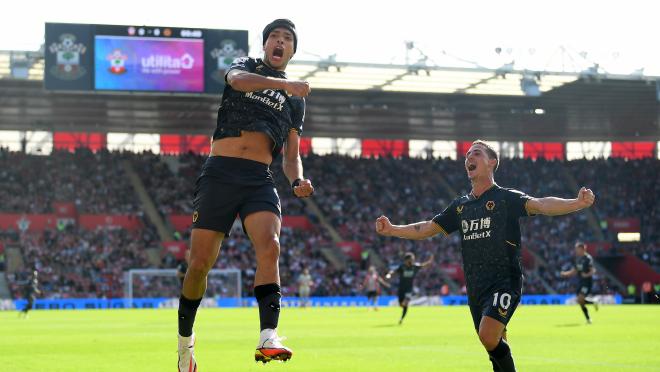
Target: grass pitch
{"x": 543, "y": 338}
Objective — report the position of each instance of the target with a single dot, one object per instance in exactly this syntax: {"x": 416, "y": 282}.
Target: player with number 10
{"x": 488, "y": 221}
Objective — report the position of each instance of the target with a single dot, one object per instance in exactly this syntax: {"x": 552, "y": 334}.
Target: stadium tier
{"x": 84, "y": 257}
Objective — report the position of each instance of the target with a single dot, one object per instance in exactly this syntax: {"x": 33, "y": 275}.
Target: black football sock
{"x": 496, "y": 367}
{"x": 269, "y": 298}
{"x": 405, "y": 311}
{"x": 588, "y": 302}
{"x": 502, "y": 357}
{"x": 585, "y": 311}
{"x": 187, "y": 312}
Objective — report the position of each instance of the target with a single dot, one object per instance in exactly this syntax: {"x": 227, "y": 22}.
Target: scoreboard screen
{"x": 122, "y": 63}
{"x": 139, "y": 58}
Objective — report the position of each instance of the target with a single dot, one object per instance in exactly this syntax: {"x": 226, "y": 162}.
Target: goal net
{"x": 163, "y": 283}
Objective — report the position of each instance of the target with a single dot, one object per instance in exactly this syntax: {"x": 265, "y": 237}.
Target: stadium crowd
{"x": 75, "y": 263}
{"x": 351, "y": 193}
{"x": 95, "y": 182}
{"x": 627, "y": 188}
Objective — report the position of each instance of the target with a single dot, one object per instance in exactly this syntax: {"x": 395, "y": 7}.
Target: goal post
{"x": 163, "y": 283}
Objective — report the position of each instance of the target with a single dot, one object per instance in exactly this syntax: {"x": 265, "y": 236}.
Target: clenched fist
{"x": 585, "y": 198}
{"x": 298, "y": 88}
{"x": 383, "y": 226}
{"x": 303, "y": 189}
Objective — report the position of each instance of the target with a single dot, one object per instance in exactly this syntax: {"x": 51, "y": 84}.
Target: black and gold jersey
{"x": 270, "y": 111}
{"x": 490, "y": 235}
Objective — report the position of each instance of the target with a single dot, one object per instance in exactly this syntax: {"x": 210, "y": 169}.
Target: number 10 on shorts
{"x": 504, "y": 300}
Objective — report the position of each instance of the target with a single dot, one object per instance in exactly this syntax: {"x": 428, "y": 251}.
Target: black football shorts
{"x": 499, "y": 303}
{"x": 585, "y": 288}
{"x": 405, "y": 295}
{"x": 230, "y": 187}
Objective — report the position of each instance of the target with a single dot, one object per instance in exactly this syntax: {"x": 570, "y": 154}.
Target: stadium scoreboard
{"x": 85, "y": 57}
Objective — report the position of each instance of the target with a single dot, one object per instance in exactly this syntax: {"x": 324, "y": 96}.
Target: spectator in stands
{"x": 632, "y": 291}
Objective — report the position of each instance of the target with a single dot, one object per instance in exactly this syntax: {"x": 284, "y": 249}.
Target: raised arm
{"x": 552, "y": 206}
{"x": 428, "y": 262}
{"x": 244, "y": 81}
{"x": 415, "y": 231}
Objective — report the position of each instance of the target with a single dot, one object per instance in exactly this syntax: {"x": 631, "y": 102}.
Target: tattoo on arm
{"x": 417, "y": 227}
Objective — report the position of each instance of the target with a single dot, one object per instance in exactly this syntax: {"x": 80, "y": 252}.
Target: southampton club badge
{"x": 224, "y": 56}
{"x": 117, "y": 61}
{"x": 67, "y": 53}
{"x": 490, "y": 205}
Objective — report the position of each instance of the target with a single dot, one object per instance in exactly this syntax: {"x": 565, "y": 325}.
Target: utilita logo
{"x": 166, "y": 64}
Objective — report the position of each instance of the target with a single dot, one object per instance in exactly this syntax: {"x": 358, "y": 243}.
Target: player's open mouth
{"x": 278, "y": 53}
{"x": 471, "y": 167}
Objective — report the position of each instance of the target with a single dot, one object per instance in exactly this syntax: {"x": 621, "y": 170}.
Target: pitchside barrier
{"x": 154, "y": 303}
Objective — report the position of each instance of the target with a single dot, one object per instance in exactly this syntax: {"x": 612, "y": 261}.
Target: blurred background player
{"x": 183, "y": 267}
{"x": 407, "y": 272}
{"x": 371, "y": 284}
{"x": 30, "y": 292}
{"x": 305, "y": 284}
{"x": 261, "y": 115}
{"x": 585, "y": 270}
{"x": 488, "y": 219}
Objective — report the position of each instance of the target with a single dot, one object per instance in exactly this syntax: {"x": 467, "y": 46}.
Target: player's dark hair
{"x": 281, "y": 22}
{"x": 490, "y": 151}
{"x": 409, "y": 255}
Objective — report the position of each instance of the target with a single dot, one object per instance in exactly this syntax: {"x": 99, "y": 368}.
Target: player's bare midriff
{"x": 255, "y": 146}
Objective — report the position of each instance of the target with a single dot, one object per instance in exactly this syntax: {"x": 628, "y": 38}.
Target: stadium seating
{"x": 81, "y": 263}
{"x": 351, "y": 193}
{"x": 95, "y": 182}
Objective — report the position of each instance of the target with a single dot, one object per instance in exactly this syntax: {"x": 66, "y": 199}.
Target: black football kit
{"x": 490, "y": 246}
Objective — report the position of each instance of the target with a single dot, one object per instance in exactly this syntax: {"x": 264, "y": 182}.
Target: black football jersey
{"x": 31, "y": 288}
{"x": 583, "y": 265}
{"x": 407, "y": 276}
{"x": 490, "y": 235}
{"x": 269, "y": 111}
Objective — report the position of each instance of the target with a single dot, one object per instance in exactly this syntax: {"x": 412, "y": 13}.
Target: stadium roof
{"x": 334, "y": 75}
{"x": 422, "y": 79}
{"x": 364, "y": 101}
